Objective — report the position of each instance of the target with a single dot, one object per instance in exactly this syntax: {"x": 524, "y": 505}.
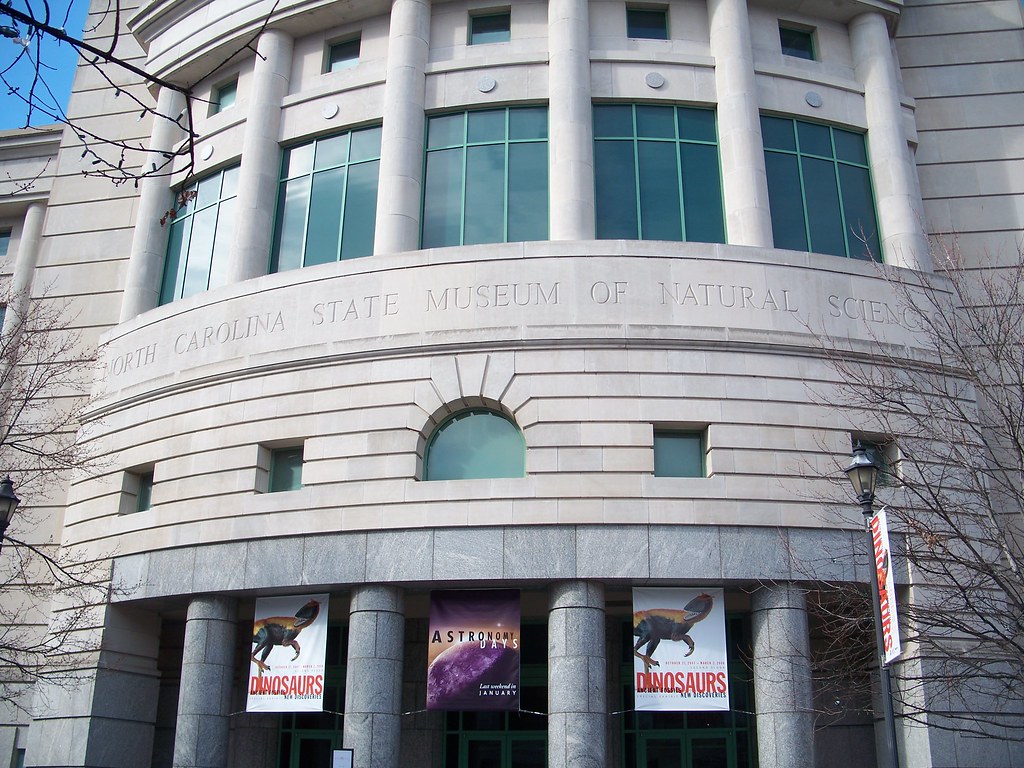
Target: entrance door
{"x": 675, "y": 749}
{"x": 506, "y": 750}
{"x": 312, "y": 749}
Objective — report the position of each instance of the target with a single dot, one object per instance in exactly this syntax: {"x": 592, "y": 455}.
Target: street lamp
{"x": 863, "y": 474}
{"x": 8, "y": 503}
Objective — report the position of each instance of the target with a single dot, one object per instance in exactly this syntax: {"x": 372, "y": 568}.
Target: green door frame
{"x": 686, "y": 740}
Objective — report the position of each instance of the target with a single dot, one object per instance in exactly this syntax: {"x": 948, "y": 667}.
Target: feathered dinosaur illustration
{"x": 283, "y": 631}
{"x": 657, "y": 624}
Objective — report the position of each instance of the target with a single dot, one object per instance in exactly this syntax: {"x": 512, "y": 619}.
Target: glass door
{"x": 687, "y": 750}
{"x": 503, "y": 750}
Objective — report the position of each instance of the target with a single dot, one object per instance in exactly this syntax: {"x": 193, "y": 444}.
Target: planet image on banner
{"x": 466, "y": 676}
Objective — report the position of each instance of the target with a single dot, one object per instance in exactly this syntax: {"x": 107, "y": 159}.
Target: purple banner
{"x": 473, "y": 654}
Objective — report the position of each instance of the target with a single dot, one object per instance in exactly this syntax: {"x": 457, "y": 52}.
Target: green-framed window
{"x": 308, "y": 738}
{"x": 798, "y": 43}
{"x": 647, "y": 23}
{"x": 343, "y": 54}
{"x": 224, "y": 96}
{"x": 819, "y": 188}
{"x": 475, "y": 444}
{"x": 5, "y": 241}
{"x": 285, "y": 469}
{"x": 490, "y": 28}
{"x": 486, "y": 177}
{"x": 200, "y": 236}
{"x": 327, "y": 200}
{"x": 506, "y": 739}
{"x": 144, "y": 500}
{"x": 678, "y": 453}
{"x": 657, "y": 173}
{"x": 692, "y": 739}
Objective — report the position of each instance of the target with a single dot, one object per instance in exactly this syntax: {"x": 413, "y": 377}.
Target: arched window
{"x": 475, "y": 444}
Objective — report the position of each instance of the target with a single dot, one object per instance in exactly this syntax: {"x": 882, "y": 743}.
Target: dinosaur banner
{"x": 289, "y": 645}
{"x": 473, "y": 654}
{"x": 679, "y": 653}
{"x": 886, "y": 585}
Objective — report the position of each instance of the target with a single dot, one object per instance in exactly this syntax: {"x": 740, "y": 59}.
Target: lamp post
{"x": 8, "y": 503}
{"x": 863, "y": 474}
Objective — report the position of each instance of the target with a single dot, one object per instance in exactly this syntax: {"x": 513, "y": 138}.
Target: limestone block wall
{"x": 588, "y": 346}
{"x": 964, "y": 64}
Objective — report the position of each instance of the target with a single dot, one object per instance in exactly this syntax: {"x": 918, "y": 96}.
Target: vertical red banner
{"x": 886, "y": 586}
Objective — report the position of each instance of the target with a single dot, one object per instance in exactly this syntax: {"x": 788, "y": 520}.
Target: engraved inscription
{"x": 495, "y": 295}
{"x": 872, "y": 311}
{"x": 727, "y": 296}
{"x": 241, "y": 328}
{"x": 355, "y": 309}
{"x": 132, "y": 360}
{"x": 608, "y": 293}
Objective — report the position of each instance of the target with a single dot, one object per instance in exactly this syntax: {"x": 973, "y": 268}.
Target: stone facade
{"x": 588, "y": 345}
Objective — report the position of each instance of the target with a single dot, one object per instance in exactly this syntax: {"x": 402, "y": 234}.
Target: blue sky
{"x": 58, "y": 62}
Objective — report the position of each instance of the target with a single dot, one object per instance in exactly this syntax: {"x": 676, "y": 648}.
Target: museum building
{"x": 463, "y": 295}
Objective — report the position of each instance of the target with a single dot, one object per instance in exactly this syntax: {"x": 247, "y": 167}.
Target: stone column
{"x": 401, "y": 146}
{"x": 782, "y": 677}
{"x": 260, "y": 170}
{"x": 373, "y": 688}
{"x": 149, "y": 241}
{"x": 744, "y": 180}
{"x": 577, "y": 676}
{"x": 570, "y": 122}
{"x": 29, "y": 242}
{"x": 893, "y": 174}
{"x": 207, "y": 681}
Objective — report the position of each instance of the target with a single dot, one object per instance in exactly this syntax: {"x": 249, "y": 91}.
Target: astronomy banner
{"x": 679, "y": 659}
{"x": 289, "y": 644}
{"x": 473, "y": 654}
{"x": 886, "y": 585}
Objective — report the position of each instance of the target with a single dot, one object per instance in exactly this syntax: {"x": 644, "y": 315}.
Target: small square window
{"x": 136, "y": 491}
{"x": 490, "y": 28}
{"x": 647, "y": 23}
{"x": 798, "y": 43}
{"x": 885, "y": 455}
{"x": 342, "y": 55}
{"x": 678, "y": 454}
{"x": 285, "y": 469}
{"x": 223, "y": 97}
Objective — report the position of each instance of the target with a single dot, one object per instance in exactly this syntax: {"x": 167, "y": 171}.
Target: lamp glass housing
{"x": 8, "y": 501}
{"x": 863, "y": 473}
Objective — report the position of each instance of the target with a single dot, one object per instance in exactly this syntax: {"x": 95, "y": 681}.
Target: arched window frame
{"x": 439, "y": 430}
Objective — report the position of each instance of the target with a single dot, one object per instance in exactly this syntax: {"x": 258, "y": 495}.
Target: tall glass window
{"x": 486, "y": 178}
{"x": 327, "y": 200}
{"x": 200, "y": 237}
{"x": 819, "y": 189}
{"x": 475, "y": 444}
{"x": 657, "y": 173}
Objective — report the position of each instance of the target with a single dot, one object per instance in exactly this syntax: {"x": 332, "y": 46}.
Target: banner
{"x": 473, "y": 655}
{"x": 286, "y": 671}
{"x": 886, "y": 585}
{"x": 679, "y": 650}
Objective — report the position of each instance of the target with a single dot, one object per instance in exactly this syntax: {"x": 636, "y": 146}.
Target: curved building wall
{"x": 589, "y": 346}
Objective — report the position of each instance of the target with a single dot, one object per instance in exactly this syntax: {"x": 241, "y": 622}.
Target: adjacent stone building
{"x": 528, "y": 295}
